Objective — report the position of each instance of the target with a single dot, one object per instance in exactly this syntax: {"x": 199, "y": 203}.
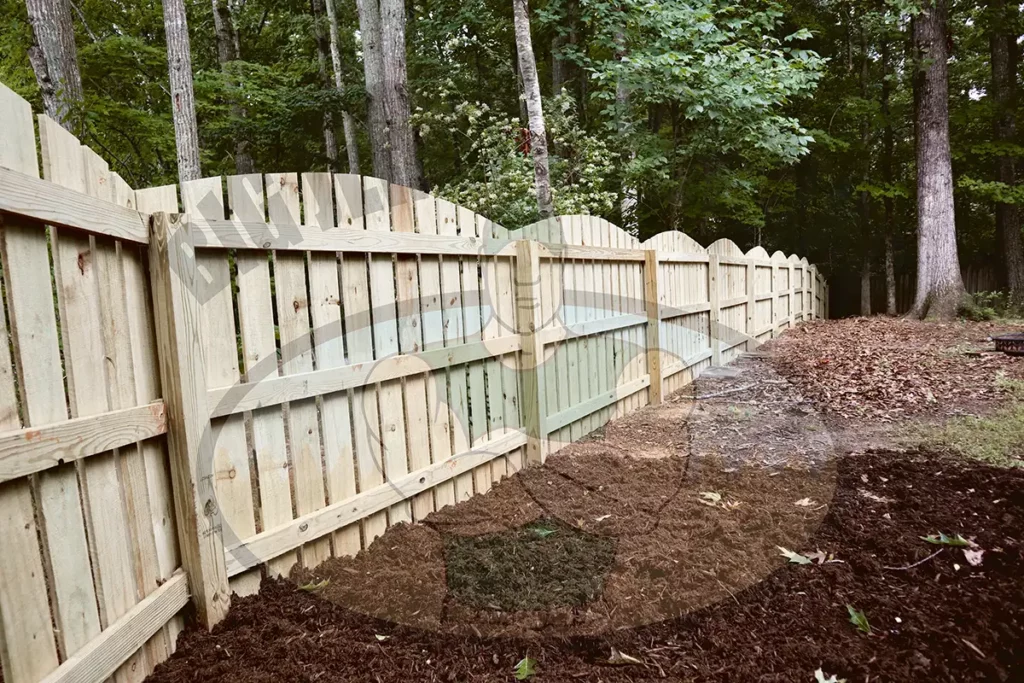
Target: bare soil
{"x": 651, "y": 551}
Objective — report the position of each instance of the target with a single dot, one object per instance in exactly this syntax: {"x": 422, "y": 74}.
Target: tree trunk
{"x": 865, "y": 198}
{"x": 404, "y": 169}
{"x": 888, "y": 144}
{"x": 531, "y": 86}
{"x": 322, "y": 50}
{"x": 890, "y": 266}
{"x": 348, "y": 124}
{"x": 373, "y": 72}
{"x": 939, "y": 285}
{"x": 1003, "y": 43}
{"x": 627, "y": 206}
{"x": 54, "y": 59}
{"x": 228, "y": 51}
{"x": 179, "y": 66}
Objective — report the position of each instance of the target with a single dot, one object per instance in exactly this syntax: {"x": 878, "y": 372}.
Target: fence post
{"x": 774, "y": 299}
{"x": 528, "y": 322}
{"x": 792, "y": 295}
{"x": 716, "y": 311}
{"x": 814, "y": 292}
{"x": 176, "y": 312}
{"x": 751, "y": 305}
{"x": 653, "y": 325}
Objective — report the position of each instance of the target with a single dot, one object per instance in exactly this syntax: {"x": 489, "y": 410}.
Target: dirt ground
{"x": 654, "y": 549}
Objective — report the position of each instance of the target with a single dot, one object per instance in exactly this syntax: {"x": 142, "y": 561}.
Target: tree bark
{"x": 179, "y": 66}
{"x": 865, "y": 198}
{"x": 1003, "y": 44}
{"x": 940, "y": 287}
{"x": 373, "y": 73}
{"x": 54, "y": 59}
{"x": 888, "y": 144}
{"x": 404, "y": 169}
{"x": 534, "y": 112}
{"x": 228, "y": 47}
{"x": 322, "y": 50}
{"x": 348, "y": 124}
{"x": 627, "y": 206}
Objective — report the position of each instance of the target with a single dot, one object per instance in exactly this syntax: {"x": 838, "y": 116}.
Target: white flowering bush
{"x": 497, "y": 178}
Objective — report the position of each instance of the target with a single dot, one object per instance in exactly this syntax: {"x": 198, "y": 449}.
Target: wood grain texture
{"x": 190, "y": 442}
{"x": 270, "y": 543}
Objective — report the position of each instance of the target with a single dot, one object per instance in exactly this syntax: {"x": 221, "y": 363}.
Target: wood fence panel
{"x": 230, "y": 470}
{"x": 255, "y": 307}
{"x": 433, "y": 311}
{"x": 28, "y": 650}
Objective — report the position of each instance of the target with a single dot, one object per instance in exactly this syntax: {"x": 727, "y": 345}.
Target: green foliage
{"x": 499, "y": 181}
{"x": 954, "y": 541}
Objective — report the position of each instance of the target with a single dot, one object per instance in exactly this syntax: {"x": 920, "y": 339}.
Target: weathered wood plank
{"x": 105, "y": 653}
{"x": 280, "y": 236}
{"x": 373, "y": 501}
{"x": 183, "y": 378}
{"x": 34, "y": 449}
{"x": 66, "y": 207}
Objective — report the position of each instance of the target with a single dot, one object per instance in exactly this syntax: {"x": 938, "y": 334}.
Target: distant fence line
{"x": 290, "y": 366}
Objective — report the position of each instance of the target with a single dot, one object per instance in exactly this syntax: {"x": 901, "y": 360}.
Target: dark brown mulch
{"x": 943, "y": 620}
{"x": 889, "y": 369}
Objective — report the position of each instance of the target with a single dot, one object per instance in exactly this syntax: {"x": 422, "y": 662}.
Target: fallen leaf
{"x": 711, "y": 496}
{"x": 974, "y": 557}
{"x": 805, "y": 502}
{"x": 381, "y": 638}
{"x": 956, "y": 541}
{"x": 795, "y": 558}
{"x": 874, "y": 496}
{"x": 602, "y": 518}
{"x": 525, "y": 668}
{"x": 622, "y": 658}
{"x": 859, "y": 619}
{"x": 819, "y": 677}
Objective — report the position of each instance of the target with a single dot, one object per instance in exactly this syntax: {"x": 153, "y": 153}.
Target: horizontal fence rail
{"x": 208, "y": 384}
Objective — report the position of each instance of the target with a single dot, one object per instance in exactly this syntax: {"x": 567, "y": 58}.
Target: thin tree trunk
{"x": 627, "y": 206}
{"x": 531, "y": 86}
{"x": 940, "y": 288}
{"x": 54, "y": 59}
{"x": 179, "y": 66}
{"x": 404, "y": 169}
{"x": 865, "y": 198}
{"x": 888, "y": 144}
{"x": 228, "y": 47}
{"x": 322, "y": 50}
{"x": 373, "y": 73}
{"x": 348, "y": 124}
{"x": 890, "y": 266}
{"x": 1003, "y": 44}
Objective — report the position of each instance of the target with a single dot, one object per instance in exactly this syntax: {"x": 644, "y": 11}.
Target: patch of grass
{"x": 537, "y": 566}
{"x": 996, "y": 439}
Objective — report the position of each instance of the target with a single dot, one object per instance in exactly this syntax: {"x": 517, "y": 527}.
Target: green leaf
{"x": 795, "y": 558}
{"x": 543, "y": 532}
{"x": 525, "y": 668}
{"x": 314, "y": 585}
{"x": 711, "y": 496}
{"x": 859, "y": 619}
{"x": 956, "y": 541}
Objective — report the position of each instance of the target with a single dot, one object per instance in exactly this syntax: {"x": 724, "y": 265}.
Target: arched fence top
{"x": 779, "y": 257}
{"x": 674, "y": 241}
{"x": 725, "y": 247}
{"x": 758, "y": 253}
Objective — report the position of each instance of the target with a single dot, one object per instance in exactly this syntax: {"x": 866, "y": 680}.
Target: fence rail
{"x": 203, "y": 385}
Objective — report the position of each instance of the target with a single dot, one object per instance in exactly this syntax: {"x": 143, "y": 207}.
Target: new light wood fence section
{"x": 191, "y": 401}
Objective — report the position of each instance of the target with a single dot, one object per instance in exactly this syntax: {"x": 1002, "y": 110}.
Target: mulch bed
{"x": 943, "y": 620}
{"x": 651, "y": 551}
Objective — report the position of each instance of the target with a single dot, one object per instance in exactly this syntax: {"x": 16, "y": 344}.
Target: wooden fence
{"x": 298, "y": 362}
